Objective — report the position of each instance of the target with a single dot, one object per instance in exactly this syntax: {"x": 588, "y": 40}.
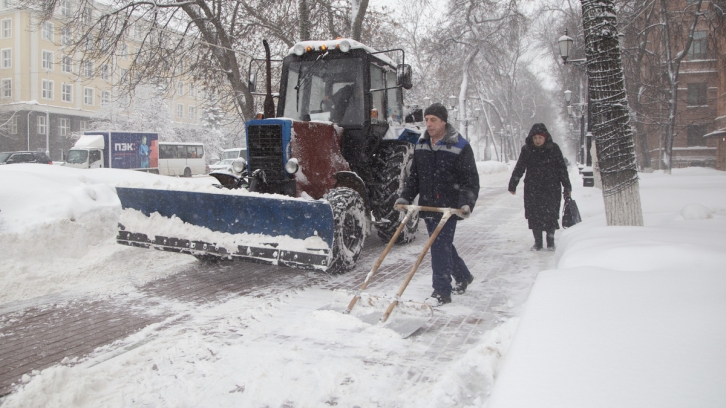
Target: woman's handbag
{"x": 570, "y": 214}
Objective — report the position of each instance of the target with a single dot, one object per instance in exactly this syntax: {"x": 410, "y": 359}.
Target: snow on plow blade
{"x": 276, "y": 231}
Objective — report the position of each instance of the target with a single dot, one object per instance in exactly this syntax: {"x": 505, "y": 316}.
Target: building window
{"x": 699, "y": 46}
{"x": 65, "y": 7}
{"x": 83, "y": 125}
{"x": 191, "y": 90}
{"x": 139, "y": 32}
{"x": 67, "y": 64}
{"x": 47, "y": 88}
{"x": 180, "y": 88}
{"x": 88, "y": 69}
{"x": 87, "y": 15}
{"x": 47, "y": 32}
{"x": 192, "y": 113}
{"x": 47, "y": 60}
{"x": 66, "y": 35}
{"x": 104, "y": 72}
{"x": 695, "y": 135}
{"x": 697, "y": 94}
{"x": 7, "y": 88}
{"x": 13, "y": 125}
{"x": 7, "y": 58}
{"x": 67, "y": 92}
{"x": 123, "y": 50}
{"x": 180, "y": 111}
{"x": 64, "y": 126}
{"x": 123, "y": 75}
{"x": 88, "y": 96}
{"x": 41, "y": 124}
{"x": 105, "y": 97}
{"x": 7, "y": 28}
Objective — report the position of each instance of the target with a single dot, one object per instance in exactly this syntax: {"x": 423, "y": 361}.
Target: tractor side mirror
{"x": 403, "y": 76}
{"x": 253, "y": 82}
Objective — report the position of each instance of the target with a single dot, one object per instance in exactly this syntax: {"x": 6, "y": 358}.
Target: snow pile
{"x": 60, "y": 224}
{"x": 156, "y": 224}
{"x": 632, "y": 316}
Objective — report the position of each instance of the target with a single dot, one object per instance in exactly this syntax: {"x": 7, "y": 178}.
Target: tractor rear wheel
{"x": 392, "y": 165}
{"x": 349, "y": 215}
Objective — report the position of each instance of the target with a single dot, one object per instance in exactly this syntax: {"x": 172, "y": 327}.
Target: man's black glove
{"x": 465, "y": 211}
{"x": 401, "y": 201}
{"x": 567, "y": 194}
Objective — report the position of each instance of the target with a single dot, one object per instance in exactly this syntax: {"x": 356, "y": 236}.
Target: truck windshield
{"x": 77, "y": 156}
{"x": 326, "y": 90}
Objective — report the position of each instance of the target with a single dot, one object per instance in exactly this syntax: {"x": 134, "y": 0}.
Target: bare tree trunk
{"x": 358, "y": 13}
{"x": 609, "y": 114}
{"x": 303, "y": 13}
{"x": 674, "y": 66}
{"x": 463, "y": 114}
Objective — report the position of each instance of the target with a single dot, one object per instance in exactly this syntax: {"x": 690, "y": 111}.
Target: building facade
{"x": 701, "y": 107}
{"x": 46, "y": 94}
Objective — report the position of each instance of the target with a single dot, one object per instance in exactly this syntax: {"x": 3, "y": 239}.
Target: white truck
{"x": 118, "y": 150}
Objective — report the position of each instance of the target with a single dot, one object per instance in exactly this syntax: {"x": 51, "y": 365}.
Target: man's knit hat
{"x": 437, "y": 110}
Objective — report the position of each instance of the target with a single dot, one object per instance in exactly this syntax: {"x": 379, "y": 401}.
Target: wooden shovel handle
{"x": 448, "y": 212}
{"x": 410, "y": 207}
{"x": 380, "y": 258}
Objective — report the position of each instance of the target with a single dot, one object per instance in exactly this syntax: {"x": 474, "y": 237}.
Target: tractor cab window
{"x": 326, "y": 90}
{"x": 377, "y": 82}
{"x": 395, "y": 99}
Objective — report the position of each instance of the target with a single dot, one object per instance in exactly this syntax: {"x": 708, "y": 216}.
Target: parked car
{"x": 24, "y": 157}
{"x": 224, "y": 165}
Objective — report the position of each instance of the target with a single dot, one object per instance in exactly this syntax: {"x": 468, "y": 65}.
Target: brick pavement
{"x": 43, "y": 335}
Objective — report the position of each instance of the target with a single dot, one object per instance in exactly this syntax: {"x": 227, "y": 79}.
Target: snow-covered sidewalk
{"x": 631, "y": 316}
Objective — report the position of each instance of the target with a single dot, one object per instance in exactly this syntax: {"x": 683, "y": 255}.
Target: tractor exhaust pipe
{"x": 269, "y": 107}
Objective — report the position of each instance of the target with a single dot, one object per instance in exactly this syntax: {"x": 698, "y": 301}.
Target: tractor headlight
{"x": 239, "y": 164}
{"x": 291, "y": 167}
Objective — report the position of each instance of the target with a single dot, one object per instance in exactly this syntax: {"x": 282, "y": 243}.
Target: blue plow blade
{"x": 234, "y": 214}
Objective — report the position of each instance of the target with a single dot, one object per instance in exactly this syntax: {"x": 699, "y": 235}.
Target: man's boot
{"x": 537, "y": 240}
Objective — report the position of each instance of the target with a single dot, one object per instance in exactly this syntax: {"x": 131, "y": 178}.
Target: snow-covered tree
{"x": 146, "y": 111}
{"x": 609, "y": 114}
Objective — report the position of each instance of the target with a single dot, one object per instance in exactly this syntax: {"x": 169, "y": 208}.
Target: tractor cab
{"x": 347, "y": 83}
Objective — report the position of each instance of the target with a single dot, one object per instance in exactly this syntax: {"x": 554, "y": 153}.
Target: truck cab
{"x": 87, "y": 153}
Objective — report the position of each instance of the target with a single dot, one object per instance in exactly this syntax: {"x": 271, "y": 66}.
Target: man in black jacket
{"x": 443, "y": 174}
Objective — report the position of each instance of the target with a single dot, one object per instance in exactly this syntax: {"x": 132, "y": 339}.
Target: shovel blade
{"x": 407, "y": 317}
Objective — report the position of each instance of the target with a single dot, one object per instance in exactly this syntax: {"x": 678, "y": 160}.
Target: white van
{"x": 181, "y": 159}
{"x": 234, "y": 153}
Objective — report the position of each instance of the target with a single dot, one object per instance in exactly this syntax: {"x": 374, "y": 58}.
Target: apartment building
{"x": 701, "y": 107}
{"x": 46, "y": 93}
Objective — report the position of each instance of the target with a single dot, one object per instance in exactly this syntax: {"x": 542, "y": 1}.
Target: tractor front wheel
{"x": 350, "y": 228}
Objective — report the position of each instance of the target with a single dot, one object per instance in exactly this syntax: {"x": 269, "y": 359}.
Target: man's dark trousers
{"x": 445, "y": 261}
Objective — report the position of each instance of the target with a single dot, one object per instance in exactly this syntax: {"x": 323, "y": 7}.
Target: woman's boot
{"x": 551, "y": 240}
{"x": 537, "y": 240}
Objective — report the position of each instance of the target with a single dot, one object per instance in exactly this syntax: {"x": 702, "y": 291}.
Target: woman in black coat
{"x": 546, "y": 171}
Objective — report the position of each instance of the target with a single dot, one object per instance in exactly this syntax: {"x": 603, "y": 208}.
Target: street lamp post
{"x": 565, "y": 44}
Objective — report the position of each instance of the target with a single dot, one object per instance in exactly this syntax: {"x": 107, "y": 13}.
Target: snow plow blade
{"x": 277, "y": 231}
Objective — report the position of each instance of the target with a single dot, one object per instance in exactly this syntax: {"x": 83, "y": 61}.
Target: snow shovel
{"x": 408, "y": 316}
